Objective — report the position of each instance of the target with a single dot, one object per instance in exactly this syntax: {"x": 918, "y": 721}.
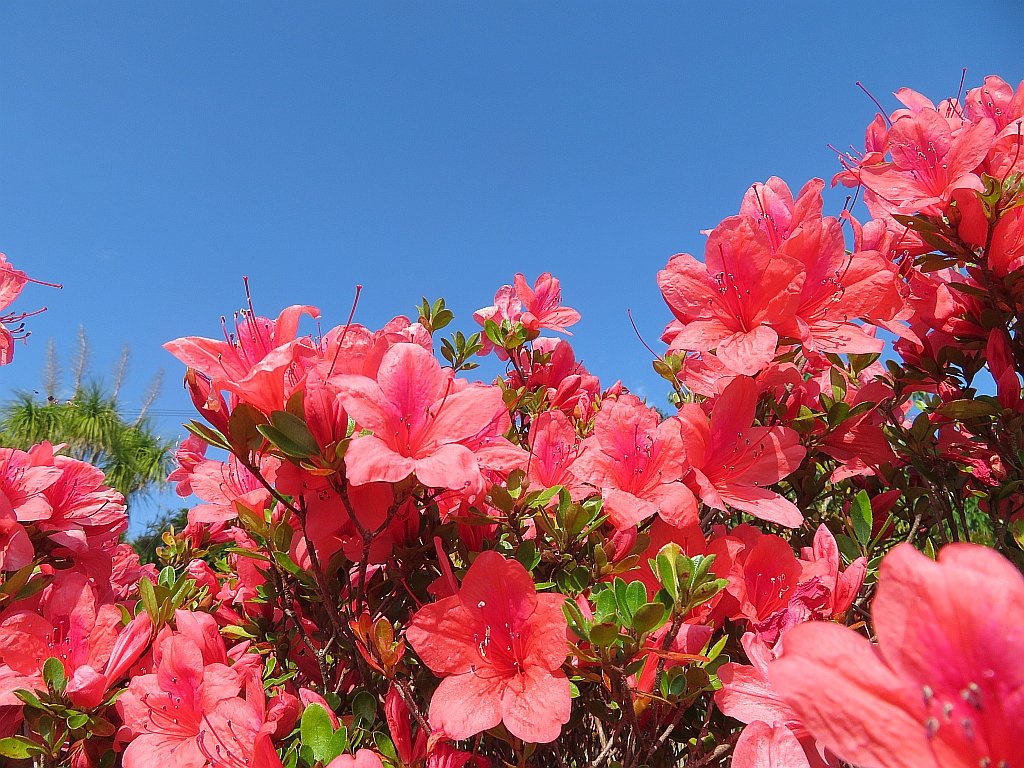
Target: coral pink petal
{"x": 749, "y": 352}
{"x": 442, "y": 633}
{"x": 369, "y": 459}
{"x": 848, "y": 699}
{"x": 764, "y": 746}
{"x": 536, "y": 705}
{"x": 450, "y": 466}
{"x": 465, "y": 705}
{"x": 762, "y": 504}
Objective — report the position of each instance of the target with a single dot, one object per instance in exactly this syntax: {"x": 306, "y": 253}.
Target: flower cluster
{"x": 393, "y": 564}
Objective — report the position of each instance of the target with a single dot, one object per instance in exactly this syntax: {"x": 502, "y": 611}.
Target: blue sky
{"x": 151, "y": 155}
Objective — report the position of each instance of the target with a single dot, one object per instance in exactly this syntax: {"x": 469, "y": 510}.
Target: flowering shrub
{"x": 814, "y": 558}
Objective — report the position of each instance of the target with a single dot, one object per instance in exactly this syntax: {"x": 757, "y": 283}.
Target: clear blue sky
{"x": 150, "y": 155}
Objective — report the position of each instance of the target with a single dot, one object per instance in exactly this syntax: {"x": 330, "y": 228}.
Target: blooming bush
{"x": 811, "y": 560}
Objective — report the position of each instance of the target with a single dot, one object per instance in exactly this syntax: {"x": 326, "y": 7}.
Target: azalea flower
{"x": 420, "y": 417}
{"x": 12, "y": 281}
{"x": 188, "y": 713}
{"x": 542, "y": 305}
{"x": 739, "y": 302}
{"x": 16, "y": 550}
{"x": 499, "y": 647}
{"x": 226, "y": 485}
{"x": 930, "y": 159}
{"x": 772, "y": 207}
{"x": 22, "y": 482}
{"x": 84, "y": 511}
{"x": 554, "y": 448}
{"x": 768, "y": 746}
{"x": 536, "y": 308}
{"x": 637, "y": 463}
{"x": 87, "y": 638}
{"x": 364, "y": 758}
{"x": 996, "y": 100}
{"x": 839, "y": 288}
{"x": 255, "y": 362}
{"x": 733, "y": 462}
{"x": 944, "y": 686}
{"x": 570, "y": 387}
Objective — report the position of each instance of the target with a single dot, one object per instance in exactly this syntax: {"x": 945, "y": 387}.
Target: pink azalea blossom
{"x": 542, "y": 305}
{"x": 739, "y": 302}
{"x": 774, "y": 730}
{"x": 255, "y": 362}
{"x": 943, "y": 688}
{"x": 87, "y": 638}
{"x": 84, "y": 511}
{"x": 569, "y": 386}
{"x": 188, "y": 713}
{"x": 12, "y": 281}
{"x": 363, "y": 758}
{"x": 997, "y": 101}
{"x": 226, "y": 485}
{"x": 733, "y": 462}
{"x": 22, "y": 482}
{"x": 420, "y": 418}
{"x": 498, "y": 647}
{"x": 191, "y": 454}
{"x": 822, "y": 561}
{"x": 16, "y": 550}
{"x": 768, "y": 746}
{"x": 536, "y": 308}
{"x": 839, "y": 288}
{"x": 772, "y": 207}
{"x": 554, "y": 448}
{"x": 929, "y": 160}
{"x": 637, "y": 463}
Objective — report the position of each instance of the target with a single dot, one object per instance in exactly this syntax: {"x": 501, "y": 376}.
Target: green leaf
{"x": 574, "y": 617}
{"x": 649, "y": 617}
{"x": 441, "y": 319}
{"x": 167, "y": 577}
{"x": 706, "y": 591}
{"x": 77, "y": 720}
{"x": 664, "y": 567}
{"x": 148, "y": 597}
{"x": 385, "y": 746}
{"x": 848, "y": 547}
{"x": 316, "y": 731}
{"x": 212, "y": 436}
{"x": 15, "y": 581}
{"x": 18, "y": 748}
{"x": 290, "y": 433}
{"x": 364, "y": 708}
{"x": 970, "y": 409}
{"x": 604, "y": 634}
{"x": 604, "y": 604}
{"x": 619, "y": 588}
{"x": 528, "y": 555}
{"x": 861, "y": 517}
{"x": 493, "y": 333}
{"x": 282, "y": 537}
{"x": 636, "y": 597}
{"x": 929, "y": 549}
{"x": 716, "y": 650}
{"x": 54, "y": 676}
{"x": 29, "y": 698}
{"x": 243, "y": 425}
{"x": 339, "y": 744}
{"x": 702, "y": 565}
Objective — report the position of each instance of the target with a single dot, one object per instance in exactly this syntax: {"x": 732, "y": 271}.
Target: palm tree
{"x": 93, "y": 426}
